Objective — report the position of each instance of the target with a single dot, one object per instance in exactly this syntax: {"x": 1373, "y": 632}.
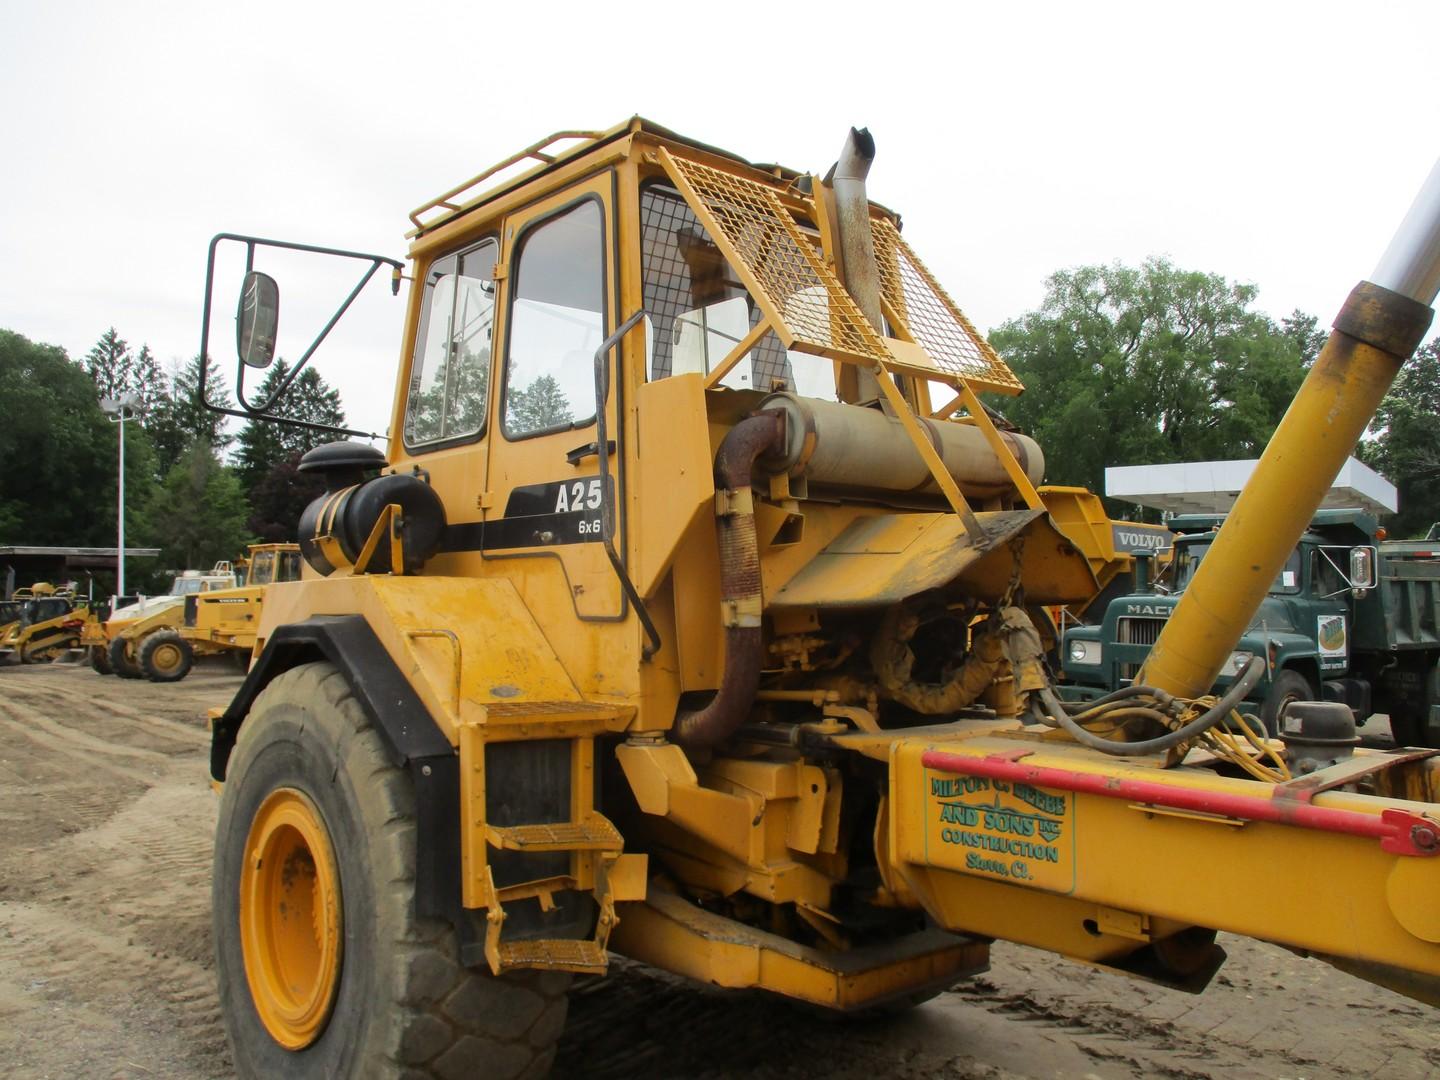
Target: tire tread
{"x": 423, "y": 1037}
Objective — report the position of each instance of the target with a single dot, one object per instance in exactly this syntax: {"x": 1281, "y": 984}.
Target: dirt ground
{"x": 106, "y": 970}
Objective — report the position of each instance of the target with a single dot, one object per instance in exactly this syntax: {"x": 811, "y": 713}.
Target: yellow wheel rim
{"x": 290, "y": 915}
{"x": 166, "y": 658}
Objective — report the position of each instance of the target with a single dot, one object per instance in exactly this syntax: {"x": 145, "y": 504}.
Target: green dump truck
{"x": 1350, "y": 618}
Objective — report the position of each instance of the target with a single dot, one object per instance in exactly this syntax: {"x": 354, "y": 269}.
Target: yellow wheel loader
{"x": 691, "y": 613}
{"x": 222, "y": 620}
{"x": 142, "y": 639}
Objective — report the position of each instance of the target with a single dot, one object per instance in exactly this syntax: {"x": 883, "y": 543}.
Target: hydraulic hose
{"x": 1054, "y": 712}
{"x": 740, "y": 598}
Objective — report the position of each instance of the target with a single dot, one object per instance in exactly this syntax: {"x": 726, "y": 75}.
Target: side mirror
{"x": 257, "y": 319}
{"x": 1362, "y": 568}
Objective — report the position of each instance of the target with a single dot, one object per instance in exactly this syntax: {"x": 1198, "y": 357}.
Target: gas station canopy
{"x": 1210, "y": 487}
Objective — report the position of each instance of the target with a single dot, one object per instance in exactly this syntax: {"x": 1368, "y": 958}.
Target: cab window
{"x": 1188, "y": 557}
{"x": 557, "y": 321}
{"x": 450, "y": 375}
{"x": 1326, "y": 579}
{"x": 697, "y": 310}
{"x": 262, "y": 568}
{"x": 288, "y": 568}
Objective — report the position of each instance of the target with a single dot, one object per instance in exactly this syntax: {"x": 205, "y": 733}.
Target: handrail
{"x": 607, "y": 508}
{"x": 535, "y": 150}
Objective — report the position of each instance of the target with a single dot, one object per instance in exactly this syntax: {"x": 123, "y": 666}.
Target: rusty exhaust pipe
{"x": 858, "y": 269}
{"x": 740, "y": 598}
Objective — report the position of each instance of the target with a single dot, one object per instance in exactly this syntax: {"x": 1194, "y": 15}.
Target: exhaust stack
{"x": 858, "y": 269}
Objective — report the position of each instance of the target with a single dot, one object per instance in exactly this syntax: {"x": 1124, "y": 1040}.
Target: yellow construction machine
{"x": 42, "y": 623}
{"x": 12, "y": 612}
{"x": 222, "y": 620}
{"x": 140, "y": 637}
{"x": 691, "y": 614}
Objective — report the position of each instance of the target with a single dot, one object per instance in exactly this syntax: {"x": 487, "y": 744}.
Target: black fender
{"x": 411, "y": 736}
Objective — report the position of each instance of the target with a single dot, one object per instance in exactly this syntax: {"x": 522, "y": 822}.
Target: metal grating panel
{"x": 594, "y": 834}
{"x": 677, "y": 279}
{"x": 561, "y": 955}
{"x": 933, "y": 319}
{"x": 1133, "y": 631}
{"x": 790, "y": 279}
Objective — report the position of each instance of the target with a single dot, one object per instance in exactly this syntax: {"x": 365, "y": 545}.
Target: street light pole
{"x": 120, "y": 517}
{"x": 119, "y": 410}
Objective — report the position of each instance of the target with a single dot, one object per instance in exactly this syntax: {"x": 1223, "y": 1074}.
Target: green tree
{"x": 117, "y": 371}
{"x": 1406, "y": 448}
{"x": 198, "y": 516}
{"x": 263, "y": 444}
{"x": 108, "y": 364}
{"x": 181, "y": 418}
{"x": 1150, "y": 364}
{"x": 279, "y": 499}
{"x": 59, "y": 482}
{"x": 1306, "y": 333}
{"x": 540, "y": 405}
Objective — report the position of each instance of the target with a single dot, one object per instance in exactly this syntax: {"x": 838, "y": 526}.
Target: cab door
{"x": 546, "y": 491}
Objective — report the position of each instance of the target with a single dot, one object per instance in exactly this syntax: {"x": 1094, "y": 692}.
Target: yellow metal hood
{"x": 881, "y": 560}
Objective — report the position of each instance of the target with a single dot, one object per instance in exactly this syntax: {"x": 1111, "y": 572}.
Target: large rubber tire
{"x": 402, "y": 1005}
{"x": 100, "y": 660}
{"x": 1287, "y": 686}
{"x": 165, "y": 656}
{"x": 120, "y": 662}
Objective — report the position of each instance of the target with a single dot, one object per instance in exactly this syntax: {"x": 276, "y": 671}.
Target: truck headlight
{"x": 1236, "y": 664}
{"x": 1084, "y": 652}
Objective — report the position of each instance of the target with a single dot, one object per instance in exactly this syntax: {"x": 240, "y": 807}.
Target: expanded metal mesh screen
{"x": 932, "y": 318}
{"x": 683, "y": 274}
{"x": 791, "y": 276}
{"x": 788, "y": 274}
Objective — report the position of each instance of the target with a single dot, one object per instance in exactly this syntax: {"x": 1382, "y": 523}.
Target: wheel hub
{"x": 290, "y": 918}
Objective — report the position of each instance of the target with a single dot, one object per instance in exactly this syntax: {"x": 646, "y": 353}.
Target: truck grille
{"x": 1131, "y": 631}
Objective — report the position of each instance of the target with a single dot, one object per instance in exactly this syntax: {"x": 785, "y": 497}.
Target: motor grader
{"x": 693, "y": 613}
{"x": 140, "y": 637}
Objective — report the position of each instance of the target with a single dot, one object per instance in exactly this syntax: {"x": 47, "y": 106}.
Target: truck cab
{"x": 1327, "y": 629}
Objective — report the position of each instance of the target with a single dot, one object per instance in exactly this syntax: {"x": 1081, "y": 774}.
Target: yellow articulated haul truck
{"x": 693, "y": 613}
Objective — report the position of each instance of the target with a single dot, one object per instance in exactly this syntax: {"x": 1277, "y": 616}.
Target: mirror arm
{"x": 305, "y": 359}
{"x": 261, "y": 412}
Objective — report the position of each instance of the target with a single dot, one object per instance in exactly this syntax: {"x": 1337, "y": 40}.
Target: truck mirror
{"x": 257, "y": 319}
{"x": 1362, "y": 568}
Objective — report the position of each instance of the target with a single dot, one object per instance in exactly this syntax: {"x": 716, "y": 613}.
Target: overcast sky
{"x": 1278, "y": 144}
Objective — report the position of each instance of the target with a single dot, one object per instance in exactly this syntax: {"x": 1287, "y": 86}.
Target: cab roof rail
{"x": 451, "y": 201}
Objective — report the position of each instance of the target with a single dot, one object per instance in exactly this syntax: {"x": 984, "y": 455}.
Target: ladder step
{"x": 594, "y": 834}
{"x": 513, "y": 712}
{"x": 553, "y": 954}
